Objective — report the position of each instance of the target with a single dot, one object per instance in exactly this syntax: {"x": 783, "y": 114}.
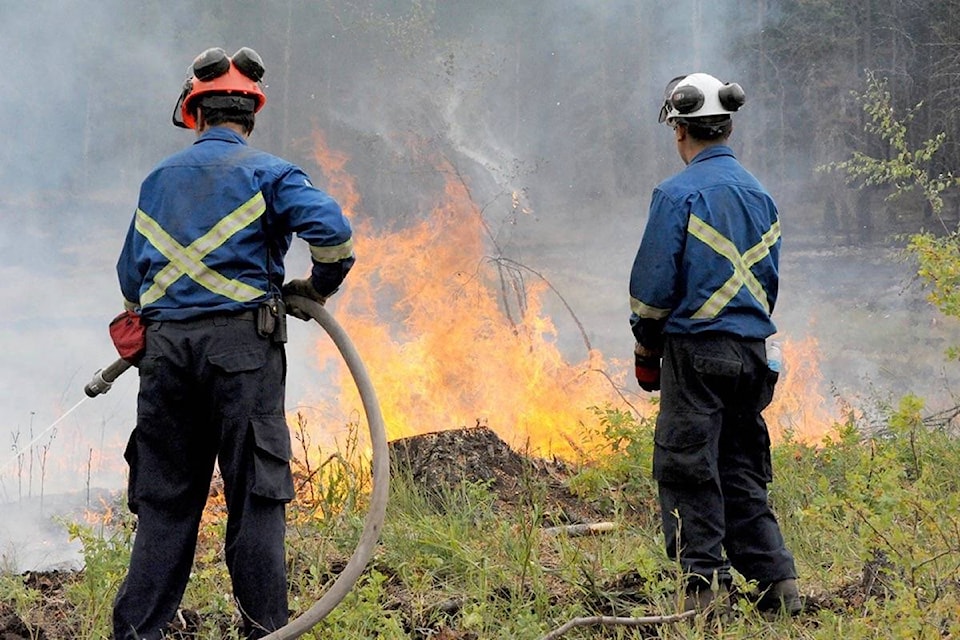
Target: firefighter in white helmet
{"x": 702, "y": 289}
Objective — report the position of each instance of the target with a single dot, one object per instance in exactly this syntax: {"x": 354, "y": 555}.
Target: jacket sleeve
{"x": 317, "y": 219}
{"x": 128, "y": 270}
{"x": 655, "y": 277}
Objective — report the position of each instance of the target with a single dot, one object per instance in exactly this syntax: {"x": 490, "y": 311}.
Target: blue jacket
{"x": 206, "y": 220}
{"x": 709, "y": 257}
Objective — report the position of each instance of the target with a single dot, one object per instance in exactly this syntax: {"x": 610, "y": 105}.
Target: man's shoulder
{"x": 220, "y": 152}
{"x": 677, "y": 186}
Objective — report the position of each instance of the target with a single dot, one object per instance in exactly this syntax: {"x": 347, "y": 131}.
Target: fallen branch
{"x": 610, "y": 621}
{"x": 575, "y": 530}
{"x": 942, "y": 419}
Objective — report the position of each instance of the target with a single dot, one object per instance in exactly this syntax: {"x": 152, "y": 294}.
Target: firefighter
{"x": 702, "y": 288}
{"x": 202, "y": 266}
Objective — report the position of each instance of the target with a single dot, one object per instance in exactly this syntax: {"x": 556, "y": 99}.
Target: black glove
{"x": 647, "y": 368}
{"x": 304, "y": 289}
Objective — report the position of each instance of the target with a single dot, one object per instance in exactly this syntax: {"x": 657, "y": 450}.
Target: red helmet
{"x": 213, "y": 73}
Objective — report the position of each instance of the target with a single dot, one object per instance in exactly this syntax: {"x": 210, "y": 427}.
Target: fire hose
{"x": 373, "y": 522}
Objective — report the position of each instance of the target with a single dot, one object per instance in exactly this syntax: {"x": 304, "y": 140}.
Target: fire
{"x": 798, "y": 407}
{"x": 422, "y": 308}
{"x": 445, "y": 349}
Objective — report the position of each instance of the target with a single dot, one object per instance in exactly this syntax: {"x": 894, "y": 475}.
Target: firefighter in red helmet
{"x": 232, "y": 82}
{"x": 203, "y": 267}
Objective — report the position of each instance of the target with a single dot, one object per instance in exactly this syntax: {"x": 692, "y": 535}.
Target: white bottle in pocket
{"x": 774, "y": 356}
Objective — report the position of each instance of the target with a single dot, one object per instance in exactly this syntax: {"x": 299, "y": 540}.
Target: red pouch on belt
{"x": 129, "y": 336}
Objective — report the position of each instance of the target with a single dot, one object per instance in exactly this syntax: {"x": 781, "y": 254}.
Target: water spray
{"x": 40, "y": 435}
{"x": 101, "y": 383}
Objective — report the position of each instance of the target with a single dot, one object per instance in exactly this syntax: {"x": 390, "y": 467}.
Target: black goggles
{"x": 215, "y": 62}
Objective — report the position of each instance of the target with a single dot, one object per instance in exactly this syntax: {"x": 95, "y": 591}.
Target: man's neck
{"x": 203, "y": 128}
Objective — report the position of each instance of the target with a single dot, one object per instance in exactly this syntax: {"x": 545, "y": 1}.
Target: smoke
{"x": 549, "y": 105}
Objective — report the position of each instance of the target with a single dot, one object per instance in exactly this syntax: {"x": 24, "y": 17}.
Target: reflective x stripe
{"x": 335, "y": 253}
{"x": 742, "y": 276}
{"x": 189, "y": 260}
{"x": 646, "y": 311}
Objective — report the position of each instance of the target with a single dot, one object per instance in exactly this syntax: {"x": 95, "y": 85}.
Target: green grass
{"x": 874, "y": 523}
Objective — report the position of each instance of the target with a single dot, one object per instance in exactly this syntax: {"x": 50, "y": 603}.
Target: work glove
{"x": 647, "y": 363}
{"x": 304, "y": 289}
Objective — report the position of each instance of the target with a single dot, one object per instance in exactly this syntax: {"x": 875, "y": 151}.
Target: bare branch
{"x": 610, "y": 621}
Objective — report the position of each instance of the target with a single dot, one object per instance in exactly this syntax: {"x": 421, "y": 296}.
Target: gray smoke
{"x": 554, "y": 102}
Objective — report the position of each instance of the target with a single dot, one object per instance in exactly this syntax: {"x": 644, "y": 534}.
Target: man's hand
{"x": 647, "y": 367}
{"x": 304, "y": 289}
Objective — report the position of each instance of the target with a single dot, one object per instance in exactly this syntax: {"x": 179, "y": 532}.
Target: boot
{"x": 781, "y": 597}
{"x": 716, "y": 601}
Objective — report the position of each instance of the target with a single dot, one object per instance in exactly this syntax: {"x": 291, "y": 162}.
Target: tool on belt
{"x": 272, "y": 319}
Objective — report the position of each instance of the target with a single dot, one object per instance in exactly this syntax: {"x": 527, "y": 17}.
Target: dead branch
{"x": 610, "y": 621}
{"x": 517, "y": 266}
{"x": 942, "y": 419}
{"x": 520, "y": 266}
{"x": 577, "y": 530}
{"x": 617, "y": 389}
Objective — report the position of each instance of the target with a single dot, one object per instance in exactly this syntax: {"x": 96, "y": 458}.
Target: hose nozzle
{"x": 103, "y": 378}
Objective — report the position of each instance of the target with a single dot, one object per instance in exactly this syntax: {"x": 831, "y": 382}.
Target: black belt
{"x": 216, "y": 319}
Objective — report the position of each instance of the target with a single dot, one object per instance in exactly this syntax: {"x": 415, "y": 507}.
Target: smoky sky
{"x": 554, "y": 103}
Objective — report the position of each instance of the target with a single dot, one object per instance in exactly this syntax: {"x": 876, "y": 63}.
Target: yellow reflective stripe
{"x": 183, "y": 261}
{"x": 189, "y": 260}
{"x": 229, "y": 225}
{"x": 130, "y": 306}
{"x": 646, "y": 311}
{"x": 335, "y": 253}
{"x": 742, "y": 276}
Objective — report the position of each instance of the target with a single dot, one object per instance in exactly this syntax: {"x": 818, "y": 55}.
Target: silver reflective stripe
{"x": 335, "y": 253}
{"x": 188, "y": 260}
{"x": 742, "y": 276}
{"x": 646, "y": 311}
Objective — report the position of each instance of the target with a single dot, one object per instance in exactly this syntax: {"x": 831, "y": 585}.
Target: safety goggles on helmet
{"x": 699, "y": 95}
{"x": 221, "y": 81}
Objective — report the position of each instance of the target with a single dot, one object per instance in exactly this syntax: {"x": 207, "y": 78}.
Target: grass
{"x": 874, "y": 523}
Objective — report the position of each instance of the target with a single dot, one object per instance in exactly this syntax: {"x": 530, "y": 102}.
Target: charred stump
{"x": 441, "y": 461}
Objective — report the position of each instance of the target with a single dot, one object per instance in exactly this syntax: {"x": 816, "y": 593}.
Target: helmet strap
{"x": 238, "y": 104}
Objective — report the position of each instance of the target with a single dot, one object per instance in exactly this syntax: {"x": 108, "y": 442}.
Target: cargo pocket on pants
{"x": 272, "y": 478}
{"x": 130, "y": 455}
{"x": 768, "y": 385}
{"x": 683, "y": 449}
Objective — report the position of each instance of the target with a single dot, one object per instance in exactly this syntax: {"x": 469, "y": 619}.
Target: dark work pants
{"x": 712, "y": 460}
{"x": 210, "y": 390}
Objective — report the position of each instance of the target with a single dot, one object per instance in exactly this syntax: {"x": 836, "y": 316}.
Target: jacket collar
{"x": 713, "y": 151}
{"x": 223, "y": 134}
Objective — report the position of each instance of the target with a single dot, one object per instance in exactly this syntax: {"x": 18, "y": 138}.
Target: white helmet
{"x": 698, "y": 95}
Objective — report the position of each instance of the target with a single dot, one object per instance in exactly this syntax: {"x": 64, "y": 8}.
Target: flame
{"x": 442, "y": 349}
{"x": 453, "y": 337}
{"x": 798, "y": 408}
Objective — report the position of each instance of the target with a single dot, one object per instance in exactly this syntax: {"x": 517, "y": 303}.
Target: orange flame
{"x": 798, "y": 408}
